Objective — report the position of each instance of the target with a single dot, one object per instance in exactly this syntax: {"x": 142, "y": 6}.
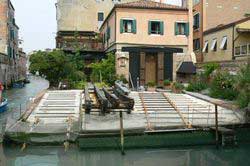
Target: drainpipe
{"x": 190, "y": 37}
{"x": 233, "y": 57}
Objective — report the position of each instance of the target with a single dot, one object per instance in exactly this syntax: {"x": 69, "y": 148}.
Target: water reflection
{"x": 56, "y": 156}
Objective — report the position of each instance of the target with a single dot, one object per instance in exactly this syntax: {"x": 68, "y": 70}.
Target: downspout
{"x": 233, "y": 57}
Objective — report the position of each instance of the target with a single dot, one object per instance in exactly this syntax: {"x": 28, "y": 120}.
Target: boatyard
{"x": 99, "y": 118}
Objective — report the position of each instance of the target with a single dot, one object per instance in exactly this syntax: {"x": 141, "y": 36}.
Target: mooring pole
{"x": 20, "y": 110}
{"x": 122, "y": 133}
{"x": 216, "y": 126}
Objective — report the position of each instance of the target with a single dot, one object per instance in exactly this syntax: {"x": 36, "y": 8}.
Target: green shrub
{"x": 178, "y": 86}
{"x": 243, "y": 87}
{"x": 209, "y": 68}
{"x": 223, "y": 86}
{"x": 151, "y": 84}
{"x": 196, "y": 86}
{"x": 167, "y": 82}
{"x": 122, "y": 78}
{"x": 78, "y": 85}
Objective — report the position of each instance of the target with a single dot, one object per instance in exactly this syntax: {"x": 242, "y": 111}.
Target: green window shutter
{"x": 108, "y": 32}
{"x": 162, "y": 27}
{"x": 187, "y": 29}
{"x": 176, "y": 29}
{"x": 121, "y": 26}
{"x": 149, "y": 27}
{"x": 134, "y": 26}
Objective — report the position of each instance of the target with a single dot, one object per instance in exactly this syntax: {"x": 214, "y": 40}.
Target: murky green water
{"x": 56, "y": 156}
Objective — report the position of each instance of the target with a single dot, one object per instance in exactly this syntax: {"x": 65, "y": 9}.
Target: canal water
{"x": 12, "y": 155}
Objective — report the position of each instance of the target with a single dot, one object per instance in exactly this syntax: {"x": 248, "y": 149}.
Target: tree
{"x": 57, "y": 66}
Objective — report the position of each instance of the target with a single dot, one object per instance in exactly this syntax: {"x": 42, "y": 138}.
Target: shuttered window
{"x": 156, "y": 27}
{"x": 108, "y": 33}
{"x": 196, "y": 21}
{"x": 128, "y": 26}
{"x": 181, "y": 28}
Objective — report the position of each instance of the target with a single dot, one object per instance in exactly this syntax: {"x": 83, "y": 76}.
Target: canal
{"x": 12, "y": 155}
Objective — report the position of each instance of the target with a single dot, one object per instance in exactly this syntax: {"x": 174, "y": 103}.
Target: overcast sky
{"x": 37, "y": 22}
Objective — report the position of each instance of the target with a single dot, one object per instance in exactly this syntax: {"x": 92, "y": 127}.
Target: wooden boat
{"x": 3, "y": 105}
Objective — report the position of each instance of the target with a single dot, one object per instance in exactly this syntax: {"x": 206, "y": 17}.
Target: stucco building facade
{"x": 8, "y": 43}
{"x": 227, "y": 42}
{"x": 145, "y": 35}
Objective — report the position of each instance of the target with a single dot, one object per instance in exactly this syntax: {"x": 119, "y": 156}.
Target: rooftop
{"x": 148, "y": 4}
{"x": 221, "y": 27}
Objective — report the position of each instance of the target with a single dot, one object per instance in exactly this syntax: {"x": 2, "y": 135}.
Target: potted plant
{"x": 151, "y": 86}
{"x": 177, "y": 87}
{"x": 167, "y": 84}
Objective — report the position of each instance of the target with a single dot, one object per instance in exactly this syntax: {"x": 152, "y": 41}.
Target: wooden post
{"x": 20, "y": 110}
{"x": 122, "y": 133}
{"x": 216, "y": 126}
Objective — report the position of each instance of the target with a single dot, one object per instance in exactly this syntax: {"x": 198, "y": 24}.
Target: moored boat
{"x": 3, "y": 105}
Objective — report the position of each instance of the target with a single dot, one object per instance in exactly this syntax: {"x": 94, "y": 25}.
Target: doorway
{"x": 150, "y": 68}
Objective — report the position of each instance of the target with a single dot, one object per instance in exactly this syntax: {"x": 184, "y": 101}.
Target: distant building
{"x": 212, "y": 13}
{"x": 22, "y": 64}
{"x": 8, "y": 43}
{"x": 227, "y": 42}
{"x": 145, "y": 35}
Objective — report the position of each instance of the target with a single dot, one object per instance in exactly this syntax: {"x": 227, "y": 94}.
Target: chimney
{"x": 184, "y": 3}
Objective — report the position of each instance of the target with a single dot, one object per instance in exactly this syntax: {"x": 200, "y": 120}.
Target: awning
{"x": 213, "y": 44}
{"x": 187, "y": 68}
{"x": 205, "y": 46}
{"x": 223, "y": 43}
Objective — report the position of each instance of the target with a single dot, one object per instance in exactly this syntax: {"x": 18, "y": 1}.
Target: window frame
{"x": 161, "y": 30}
{"x": 100, "y": 12}
{"x": 244, "y": 45}
{"x": 133, "y": 27}
{"x": 198, "y": 27}
{"x": 186, "y": 25}
{"x": 235, "y": 52}
{"x": 195, "y": 41}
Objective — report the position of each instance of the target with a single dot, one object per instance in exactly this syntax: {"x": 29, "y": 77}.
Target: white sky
{"x": 37, "y": 22}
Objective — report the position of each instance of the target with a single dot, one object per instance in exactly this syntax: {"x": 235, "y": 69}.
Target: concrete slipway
{"x": 60, "y": 117}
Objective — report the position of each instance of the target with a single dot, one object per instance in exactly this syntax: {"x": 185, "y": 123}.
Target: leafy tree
{"x": 104, "y": 71}
{"x": 57, "y": 66}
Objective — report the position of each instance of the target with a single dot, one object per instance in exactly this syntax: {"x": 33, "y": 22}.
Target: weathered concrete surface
{"x": 152, "y": 111}
{"x": 57, "y": 112}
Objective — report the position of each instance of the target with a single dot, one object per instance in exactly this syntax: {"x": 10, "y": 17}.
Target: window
{"x": 181, "y": 28}
{"x": 214, "y": 45}
{"x": 128, "y": 26}
{"x": 196, "y": 43}
{"x": 100, "y": 16}
{"x": 155, "y": 27}
{"x": 108, "y": 33}
{"x": 237, "y": 51}
{"x": 243, "y": 50}
{"x": 195, "y": 2}
{"x": 248, "y": 49}
{"x": 196, "y": 21}
{"x": 223, "y": 45}
{"x": 205, "y": 48}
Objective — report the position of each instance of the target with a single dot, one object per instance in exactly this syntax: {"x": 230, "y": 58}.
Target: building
{"x": 212, "y": 13}
{"x": 145, "y": 35}
{"x": 78, "y": 24}
{"x": 22, "y": 64}
{"x": 227, "y": 42}
{"x": 8, "y": 43}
